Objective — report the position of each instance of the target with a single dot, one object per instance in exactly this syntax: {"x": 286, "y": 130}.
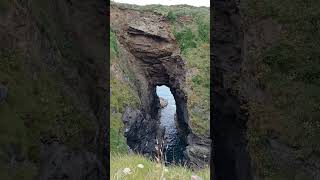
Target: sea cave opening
{"x": 175, "y": 142}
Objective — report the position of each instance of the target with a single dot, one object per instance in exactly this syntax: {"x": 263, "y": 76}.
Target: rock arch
{"x": 155, "y": 60}
{"x": 153, "y": 57}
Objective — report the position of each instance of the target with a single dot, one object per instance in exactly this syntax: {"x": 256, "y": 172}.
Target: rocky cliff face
{"x": 231, "y": 158}
{"x": 154, "y": 60}
{"x": 262, "y": 90}
{"x": 53, "y": 67}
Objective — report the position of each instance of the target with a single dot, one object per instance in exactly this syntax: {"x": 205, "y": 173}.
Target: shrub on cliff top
{"x": 113, "y": 44}
{"x": 172, "y": 17}
{"x": 186, "y": 38}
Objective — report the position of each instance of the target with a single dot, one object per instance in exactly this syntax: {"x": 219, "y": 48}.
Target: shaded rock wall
{"x": 231, "y": 159}
{"x": 261, "y": 96}
{"x": 59, "y": 49}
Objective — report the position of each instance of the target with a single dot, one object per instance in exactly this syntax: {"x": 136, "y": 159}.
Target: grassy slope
{"x": 123, "y": 95}
{"x": 290, "y": 71}
{"x": 193, "y": 38}
{"x": 151, "y": 169}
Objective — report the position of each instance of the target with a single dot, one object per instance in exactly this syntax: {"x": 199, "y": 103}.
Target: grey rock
{"x": 163, "y": 102}
{"x": 139, "y": 131}
{"x": 197, "y": 152}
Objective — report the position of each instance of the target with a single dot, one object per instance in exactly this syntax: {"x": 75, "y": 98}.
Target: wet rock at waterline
{"x": 138, "y": 129}
{"x": 163, "y": 102}
{"x": 197, "y": 152}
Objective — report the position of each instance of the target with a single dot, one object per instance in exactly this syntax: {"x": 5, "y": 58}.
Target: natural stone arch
{"x": 154, "y": 59}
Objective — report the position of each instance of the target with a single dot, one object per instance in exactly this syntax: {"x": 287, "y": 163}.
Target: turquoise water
{"x": 175, "y": 145}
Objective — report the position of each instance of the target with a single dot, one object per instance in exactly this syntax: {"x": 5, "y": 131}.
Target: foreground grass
{"x": 151, "y": 169}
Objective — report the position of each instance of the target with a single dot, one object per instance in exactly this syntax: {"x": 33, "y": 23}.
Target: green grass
{"x": 198, "y": 87}
{"x": 204, "y": 28}
{"x": 186, "y": 39}
{"x": 117, "y": 140}
{"x": 193, "y": 39}
{"x": 122, "y": 95}
{"x": 172, "y": 17}
{"x": 113, "y": 45}
{"x": 151, "y": 170}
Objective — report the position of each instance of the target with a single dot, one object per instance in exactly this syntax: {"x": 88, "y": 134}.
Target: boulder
{"x": 163, "y": 102}
{"x": 197, "y": 152}
{"x": 140, "y": 140}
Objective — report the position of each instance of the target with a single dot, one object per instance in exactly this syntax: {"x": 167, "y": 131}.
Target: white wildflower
{"x": 166, "y": 170}
{"x": 126, "y": 171}
{"x": 141, "y": 166}
{"x": 195, "y": 177}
